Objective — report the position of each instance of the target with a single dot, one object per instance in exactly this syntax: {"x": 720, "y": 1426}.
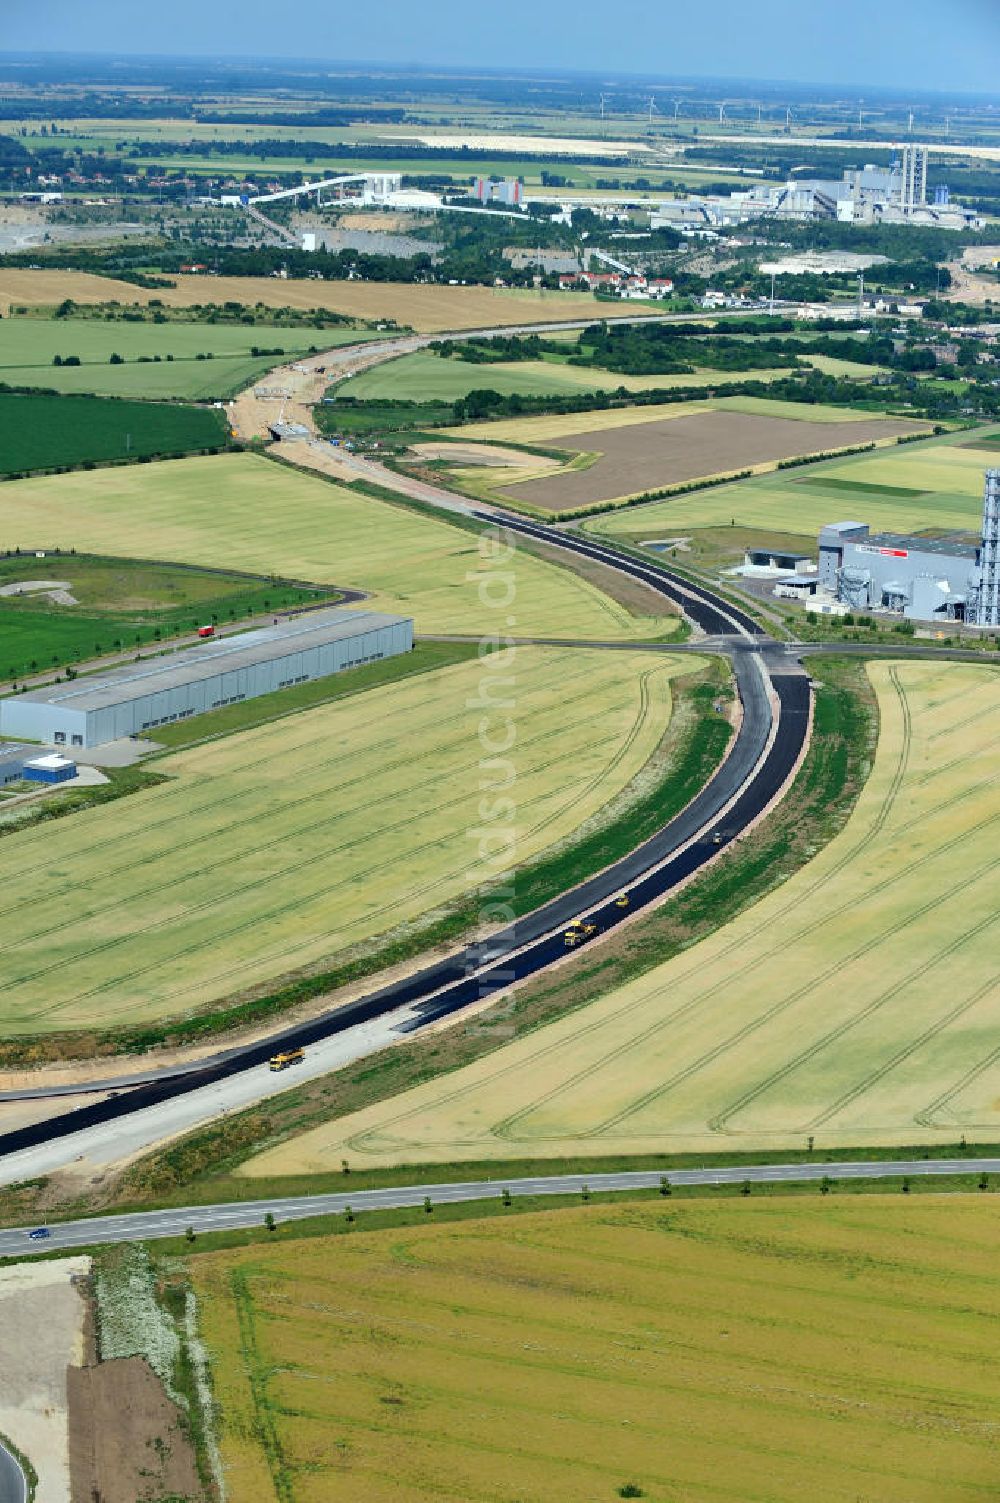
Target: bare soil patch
{"x": 41, "y": 1337}
{"x": 126, "y": 1440}
{"x": 485, "y": 454}
{"x": 649, "y": 456}
{"x": 636, "y": 597}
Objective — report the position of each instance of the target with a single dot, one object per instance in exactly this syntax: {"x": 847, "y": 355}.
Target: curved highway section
{"x": 775, "y": 699}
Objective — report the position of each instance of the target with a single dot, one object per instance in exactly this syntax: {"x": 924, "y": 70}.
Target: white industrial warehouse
{"x": 134, "y": 700}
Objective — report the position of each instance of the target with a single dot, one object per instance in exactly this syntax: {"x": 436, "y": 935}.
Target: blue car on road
{"x": 39, "y": 1234}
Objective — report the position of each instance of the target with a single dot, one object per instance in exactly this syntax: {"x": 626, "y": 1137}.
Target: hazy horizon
{"x": 898, "y": 45}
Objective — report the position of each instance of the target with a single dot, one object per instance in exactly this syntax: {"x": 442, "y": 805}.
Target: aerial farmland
{"x": 935, "y": 485}
{"x": 265, "y": 519}
{"x": 265, "y": 884}
{"x": 499, "y": 697}
{"x": 861, "y": 1014}
{"x": 436, "y": 1350}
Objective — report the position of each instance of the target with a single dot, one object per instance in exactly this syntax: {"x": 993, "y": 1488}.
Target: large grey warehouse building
{"x": 922, "y": 579}
{"x": 134, "y": 700}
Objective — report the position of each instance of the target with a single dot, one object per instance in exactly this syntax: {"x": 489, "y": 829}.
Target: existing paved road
{"x": 148, "y": 1225}
{"x": 13, "y": 1483}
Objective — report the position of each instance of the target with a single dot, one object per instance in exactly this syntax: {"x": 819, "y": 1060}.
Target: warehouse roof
{"x": 920, "y": 545}
{"x": 220, "y": 655}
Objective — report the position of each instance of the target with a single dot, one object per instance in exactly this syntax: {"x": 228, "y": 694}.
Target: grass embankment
{"x": 121, "y": 604}
{"x": 312, "y": 837}
{"x": 433, "y": 1352}
{"x": 202, "y": 1165}
{"x": 51, "y": 433}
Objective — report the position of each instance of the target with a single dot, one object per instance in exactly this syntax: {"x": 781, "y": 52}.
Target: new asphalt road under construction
{"x": 774, "y": 695}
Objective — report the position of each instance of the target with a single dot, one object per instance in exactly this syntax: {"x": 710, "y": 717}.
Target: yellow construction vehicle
{"x": 622, "y": 900}
{"x": 285, "y": 1058}
{"x": 578, "y": 932}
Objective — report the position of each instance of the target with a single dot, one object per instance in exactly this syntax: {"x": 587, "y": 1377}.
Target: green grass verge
{"x": 52, "y": 432}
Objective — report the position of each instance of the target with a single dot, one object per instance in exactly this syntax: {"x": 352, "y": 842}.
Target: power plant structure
{"x": 913, "y": 173}
{"x": 920, "y": 579}
{"x": 509, "y": 191}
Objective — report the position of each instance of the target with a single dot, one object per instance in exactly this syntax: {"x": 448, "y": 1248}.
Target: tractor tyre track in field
{"x": 310, "y": 826}
{"x": 263, "y": 764}
{"x": 505, "y": 1127}
{"x": 298, "y": 902}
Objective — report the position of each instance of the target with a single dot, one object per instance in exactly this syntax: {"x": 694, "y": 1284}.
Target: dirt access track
{"x": 667, "y": 451}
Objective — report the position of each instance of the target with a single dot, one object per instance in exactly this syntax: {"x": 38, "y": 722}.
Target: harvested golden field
{"x": 276, "y": 848}
{"x": 743, "y": 1351}
{"x": 549, "y": 428}
{"x": 242, "y": 511}
{"x": 858, "y": 1003}
{"x": 424, "y": 308}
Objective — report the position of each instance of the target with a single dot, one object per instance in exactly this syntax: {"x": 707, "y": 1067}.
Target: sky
{"x": 942, "y": 45}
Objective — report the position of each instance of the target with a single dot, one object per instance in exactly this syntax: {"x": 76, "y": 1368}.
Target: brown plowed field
{"x": 667, "y": 451}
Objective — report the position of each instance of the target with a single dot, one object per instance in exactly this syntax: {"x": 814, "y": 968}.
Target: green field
{"x": 425, "y": 377}
{"x": 118, "y": 603}
{"x": 245, "y": 512}
{"x": 161, "y": 359}
{"x": 313, "y": 834}
{"x": 41, "y": 432}
{"x": 172, "y": 359}
{"x": 739, "y": 1350}
{"x": 908, "y": 488}
{"x": 857, "y": 1003}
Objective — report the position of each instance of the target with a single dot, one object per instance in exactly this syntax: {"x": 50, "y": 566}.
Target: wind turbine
{"x": 910, "y": 125}
{"x": 788, "y": 118}
{"x": 722, "y": 113}
{"x": 677, "y": 107}
{"x": 602, "y": 106}
{"x": 652, "y": 107}
{"x": 861, "y": 114}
